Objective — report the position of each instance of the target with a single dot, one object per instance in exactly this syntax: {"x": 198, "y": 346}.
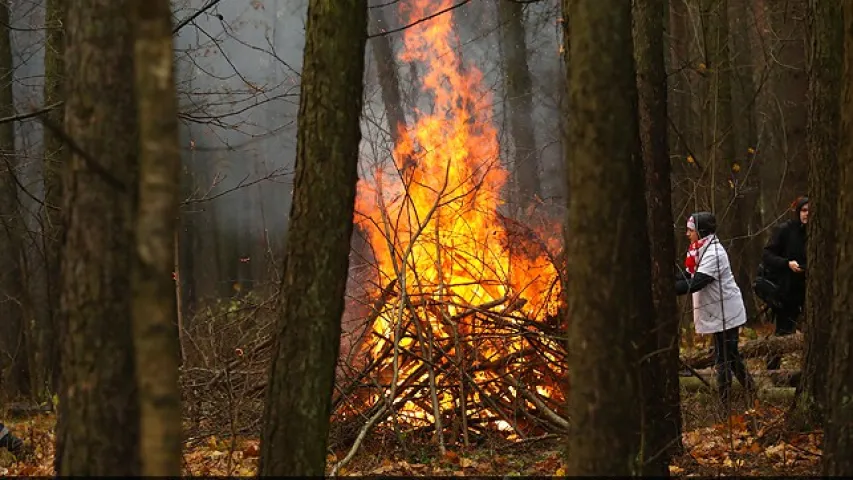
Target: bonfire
{"x": 464, "y": 337}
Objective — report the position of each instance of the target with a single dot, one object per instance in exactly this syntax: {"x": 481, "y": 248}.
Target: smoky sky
{"x": 238, "y": 74}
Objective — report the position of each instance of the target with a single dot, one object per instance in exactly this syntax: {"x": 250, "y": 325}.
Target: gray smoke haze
{"x": 238, "y": 74}
{"x": 237, "y": 69}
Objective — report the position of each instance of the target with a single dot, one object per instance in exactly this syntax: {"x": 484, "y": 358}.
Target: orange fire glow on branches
{"x": 434, "y": 224}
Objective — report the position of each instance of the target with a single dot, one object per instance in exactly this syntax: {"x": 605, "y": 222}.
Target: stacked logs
{"x": 484, "y": 369}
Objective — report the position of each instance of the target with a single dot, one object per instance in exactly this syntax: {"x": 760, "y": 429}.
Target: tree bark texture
{"x": 14, "y": 365}
{"x": 838, "y": 439}
{"x": 518, "y": 86}
{"x": 99, "y": 412}
{"x": 660, "y": 380}
{"x": 299, "y": 392}
{"x": 607, "y": 243}
{"x": 827, "y": 44}
{"x": 154, "y": 302}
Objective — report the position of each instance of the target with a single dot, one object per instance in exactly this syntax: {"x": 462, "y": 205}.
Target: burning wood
{"x": 469, "y": 341}
{"x": 486, "y": 383}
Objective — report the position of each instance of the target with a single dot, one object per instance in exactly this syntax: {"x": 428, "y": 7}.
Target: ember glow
{"x": 469, "y": 291}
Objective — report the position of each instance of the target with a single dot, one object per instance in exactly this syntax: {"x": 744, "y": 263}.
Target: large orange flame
{"x": 433, "y": 217}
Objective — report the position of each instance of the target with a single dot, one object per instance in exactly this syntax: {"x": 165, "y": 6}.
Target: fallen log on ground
{"x": 750, "y": 349}
{"x": 774, "y": 394}
{"x": 778, "y": 378}
{"x": 25, "y": 410}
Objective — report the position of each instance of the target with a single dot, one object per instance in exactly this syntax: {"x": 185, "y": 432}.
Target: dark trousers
{"x": 727, "y": 360}
{"x": 786, "y": 324}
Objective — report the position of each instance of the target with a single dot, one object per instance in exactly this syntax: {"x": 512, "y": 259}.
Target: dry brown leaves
{"x": 746, "y": 444}
{"x": 750, "y": 444}
{"x": 475, "y": 463}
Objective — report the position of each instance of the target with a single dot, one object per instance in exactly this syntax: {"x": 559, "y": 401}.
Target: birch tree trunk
{"x": 154, "y": 303}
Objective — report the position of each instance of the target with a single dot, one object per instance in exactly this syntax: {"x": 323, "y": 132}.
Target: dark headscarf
{"x": 798, "y": 205}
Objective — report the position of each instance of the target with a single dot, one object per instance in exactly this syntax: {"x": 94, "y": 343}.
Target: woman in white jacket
{"x": 718, "y": 307}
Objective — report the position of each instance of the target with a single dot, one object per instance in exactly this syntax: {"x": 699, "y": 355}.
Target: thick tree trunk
{"x": 154, "y": 302}
{"x": 519, "y": 91}
{"x": 99, "y": 413}
{"x": 299, "y": 392}
{"x": 838, "y": 440}
{"x": 608, "y": 233}
{"x": 660, "y": 373}
{"x": 827, "y": 43}
{"x": 14, "y": 375}
{"x": 55, "y": 157}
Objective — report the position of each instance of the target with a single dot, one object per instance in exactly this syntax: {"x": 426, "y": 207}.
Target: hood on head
{"x": 798, "y": 205}
{"x": 705, "y": 223}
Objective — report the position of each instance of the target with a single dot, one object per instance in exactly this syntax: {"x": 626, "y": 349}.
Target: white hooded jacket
{"x": 718, "y": 306}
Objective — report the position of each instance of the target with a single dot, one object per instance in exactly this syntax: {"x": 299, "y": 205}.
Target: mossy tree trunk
{"x": 607, "y": 245}
{"x": 99, "y": 414}
{"x": 299, "y": 391}
{"x": 154, "y": 303}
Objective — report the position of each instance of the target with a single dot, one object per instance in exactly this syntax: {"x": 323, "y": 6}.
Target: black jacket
{"x": 686, "y": 283}
{"x": 787, "y": 243}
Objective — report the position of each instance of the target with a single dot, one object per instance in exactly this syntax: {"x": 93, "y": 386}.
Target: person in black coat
{"x": 9, "y": 441}
{"x": 785, "y": 259}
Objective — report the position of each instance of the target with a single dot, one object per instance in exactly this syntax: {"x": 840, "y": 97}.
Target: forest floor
{"x": 751, "y": 441}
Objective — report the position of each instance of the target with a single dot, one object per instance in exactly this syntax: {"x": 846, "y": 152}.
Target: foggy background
{"x": 237, "y": 73}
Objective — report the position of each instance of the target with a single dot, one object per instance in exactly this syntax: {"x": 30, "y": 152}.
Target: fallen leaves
{"x": 739, "y": 444}
{"x": 472, "y": 463}
{"x": 747, "y": 444}
{"x": 37, "y": 433}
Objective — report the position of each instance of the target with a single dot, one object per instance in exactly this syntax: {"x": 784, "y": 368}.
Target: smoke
{"x": 238, "y": 70}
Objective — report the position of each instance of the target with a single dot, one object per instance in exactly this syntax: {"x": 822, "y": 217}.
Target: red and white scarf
{"x": 691, "y": 261}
